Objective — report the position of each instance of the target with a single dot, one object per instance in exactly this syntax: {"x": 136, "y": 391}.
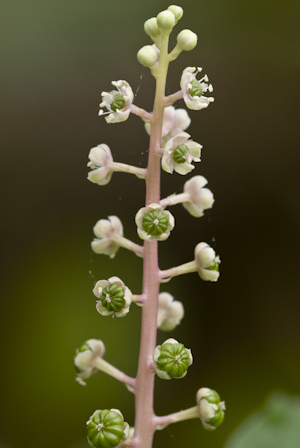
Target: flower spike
{"x": 117, "y": 102}
{"x": 193, "y": 90}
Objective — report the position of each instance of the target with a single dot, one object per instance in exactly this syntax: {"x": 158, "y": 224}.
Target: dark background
{"x": 56, "y": 59}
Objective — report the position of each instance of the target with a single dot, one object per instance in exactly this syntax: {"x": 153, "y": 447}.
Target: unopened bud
{"x": 147, "y": 56}
{"x": 166, "y": 20}
{"x": 177, "y": 11}
{"x": 187, "y": 40}
{"x": 151, "y": 28}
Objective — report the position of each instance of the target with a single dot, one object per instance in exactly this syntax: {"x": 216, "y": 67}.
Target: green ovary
{"x": 112, "y": 298}
{"x": 155, "y": 222}
{"x": 105, "y": 430}
{"x": 180, "y": 153}
{"x": 195, "y": 90}
{"x": 213, "y": 267}
{"x": 173, "y": 359}
{"x": 118, "y": 102}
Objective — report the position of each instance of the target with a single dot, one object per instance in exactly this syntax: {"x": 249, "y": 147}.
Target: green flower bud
{"x": 106, "y": 428}
{"x": 166, "y": 20}
{"x": 118, "y": 102}
{"x": 113, "y": 298}
{"x": 187, "y": 40}
{"x": 151, "y": 28}
{"x": 180, "y": 153}
{"x": 155, "y": 222}
{"x": 171, "y": 359}
{"x": 196, "y": 89}
{"x": 147, "y": 56}
{"x": 210, "y": 407}
{"x": 177, "y": 11}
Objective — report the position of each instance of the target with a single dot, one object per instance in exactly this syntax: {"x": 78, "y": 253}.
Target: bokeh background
{"x": 56, "y": 58}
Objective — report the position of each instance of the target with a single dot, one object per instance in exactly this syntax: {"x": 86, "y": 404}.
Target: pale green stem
{"x": 144, "y": 391}
{"x": 187, "y": 414}
{"x": 127, "y": 244}
{"x": 146, "y": 116}
{"x": 175, "y": 53}
{"x": 185, "y": 268}
{"x": 107, "y": 368}
{"x": 169, "y": 100}
{"x": 124, "y": 168}
{"x": 175, "y": 199}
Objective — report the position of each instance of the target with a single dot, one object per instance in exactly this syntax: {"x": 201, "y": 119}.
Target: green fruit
{"x": 105, "y": 429}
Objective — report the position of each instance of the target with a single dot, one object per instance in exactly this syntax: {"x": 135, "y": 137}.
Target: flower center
{"x": 196, "y": 89}
{"x": 112, "y": 298}
{"x": 155, "y": 222}
{"x": 213, "y": 267}
{"x": 180, "y": 154}
{"x": 173, "y": 359}
{"x": 118, "y": 102}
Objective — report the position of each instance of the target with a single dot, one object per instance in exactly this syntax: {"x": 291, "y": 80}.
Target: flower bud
{"x": 187, "y": 40}
{"x": 177, "y": 11}
{"x": 106, "y": 428}
{"x": 151, "y": 28}
{"x": 170, "y": 312}
{"x": 147, "y": 56}
{"x": 166, "y": 20}
{"x": 210, "y": 407}
{"x": 171, "y": 359}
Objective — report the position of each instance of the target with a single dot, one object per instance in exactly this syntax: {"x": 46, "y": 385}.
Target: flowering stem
{"x": 187, "y": 414}
{"x": 144, "y": 428}
{"x": 175, "y": 199}
{"x": 106, "y": 367}
{"x": 146, "y": 116}
{"x": 127, "y": 244}
{"x": 124, "y": 168}
{"x": 185, "y": 268}
{"x": 169, "y": 100}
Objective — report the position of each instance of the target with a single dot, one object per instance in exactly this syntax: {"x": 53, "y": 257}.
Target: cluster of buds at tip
{"x": 86, "y": 359}
{"x": 154, "y": 223}
{"x": 164, "y": 22}
{"x": 106, "y": 428}
{"x": 117, "y": 102}
{"x": 114, "y": 297}
{"x": 170, "y": 312}
{"x": 171, "y": 360}
{"x": 193, "y": 90}
{"x": 210, "y": 407}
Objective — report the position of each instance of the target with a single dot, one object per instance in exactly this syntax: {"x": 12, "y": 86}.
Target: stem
{"x": 146, "y": 116}
{"x": 169, "y": 100}
{"x": 144, "y": 428}
{"x": 124, "y": 168}
{"x": 187, "y": 414}
{"x": 127, "y": 244}
{"x": 175, "y": 199}
{"x": 107, "y": 368}
{"x": 185, "y": 268}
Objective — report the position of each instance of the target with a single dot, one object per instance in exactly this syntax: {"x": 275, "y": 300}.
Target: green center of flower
{"x": 180, "y": 154}
{"x": 112, "y": 298}
{"x": 105, "y": 429}
{"x": 118, "y": 102}
{"x": 213, "y": 267}
{"x": 173, "y": 359}
{"x": 84, "y": 347}
{"x": 196, "y": 89}
{"x": 155, "y": 222}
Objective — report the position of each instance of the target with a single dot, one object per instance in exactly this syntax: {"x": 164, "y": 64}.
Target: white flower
{"x": 210, "y": 408}
{"x": 100, "y": 159}
{"x": 170, "y": 312}
{"x": 105, "y": 230}
{"x": 86, "y": 357}
{"x": 118, "y": 102}
{"x": 193, "y": 89}
{"x": 200, "y": 198}
{"x": 154, "y": 223}
{"x": 179, "y": 153}
{"x": 174, "y": 122}
{"x": 115, "y": 297}
{"x": 208, "y": 262}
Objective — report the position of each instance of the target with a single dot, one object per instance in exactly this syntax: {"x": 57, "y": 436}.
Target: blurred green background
{"x": 56, "y": 59}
